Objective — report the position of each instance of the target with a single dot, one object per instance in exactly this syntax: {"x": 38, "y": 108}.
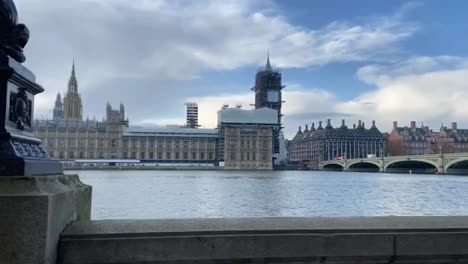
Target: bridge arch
{"x": 457, "y": 166}
{"x": 364, "y": 166}
{"x": 332, "y": 166}
{"x": 412, "y": 166}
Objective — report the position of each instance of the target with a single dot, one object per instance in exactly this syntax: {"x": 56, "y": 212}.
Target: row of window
{"x": 249, "y": 156}
{"x": 113, "y": 143}
{"x": 72, "y": 155}
{"x": 134, "y": 155}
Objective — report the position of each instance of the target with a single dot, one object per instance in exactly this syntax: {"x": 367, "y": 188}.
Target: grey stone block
{"x": 432, "y": 244}
{"x": 34, "y": 211}
{"x": 128, "y": 248}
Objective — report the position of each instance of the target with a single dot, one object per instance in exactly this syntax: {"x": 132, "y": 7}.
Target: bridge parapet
{"x": 441, "y": 163}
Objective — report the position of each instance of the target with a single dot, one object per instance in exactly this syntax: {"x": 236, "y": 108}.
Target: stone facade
{"x": 76, "y": 139}
{"x": 450, "y": 140}
{"x": 246, "y": 138}
{"x": 170, "y": 144}
{"x": 409, "y": 140}
{"x": 310, "y": 147}
{"x": 113, "y": 139}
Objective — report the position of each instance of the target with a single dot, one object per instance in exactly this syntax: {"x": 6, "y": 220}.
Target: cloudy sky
{"x": 364, "y": 59}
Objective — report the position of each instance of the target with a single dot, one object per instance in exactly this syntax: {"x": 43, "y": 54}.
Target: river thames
{"x": 208, "y": 194}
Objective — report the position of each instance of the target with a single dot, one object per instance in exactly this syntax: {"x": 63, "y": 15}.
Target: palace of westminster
{"x": 243, "y": 139}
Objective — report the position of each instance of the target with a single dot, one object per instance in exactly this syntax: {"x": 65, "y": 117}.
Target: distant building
{"x": 410, "y": 140}
{"x": 268, "y": 93}
{"x": 192, "y": 115}
{"x": 72, "y": 102}
{"x": 78, "y": 139}
{"x": 246, "y": 138}
{"x": 310, "y": 147}
{"x": 170, "y": 144}
{"x": 58, "y": 109}
{"x": 450, "y": 140}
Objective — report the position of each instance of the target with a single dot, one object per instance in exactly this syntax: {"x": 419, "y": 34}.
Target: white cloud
{"x": 128, "y": 48}
{"x": 300, "y": 100}
{"x": 429, "y": 89}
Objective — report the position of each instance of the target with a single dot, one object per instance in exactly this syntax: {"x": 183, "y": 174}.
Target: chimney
{"x": 363, "y": 125}
{"x": 395, "y": 124}
{"x": 306, "y": 128}
{"x": 359, "y": 124}
{"x": 320, "y": 125}
{"x": 454, "y": 126}
{"x": 413, "y": 124}
{"x": 329, "y": 126}
{"x": 313, "y": 127}
{"x": 300, "y": 130}
{"x": 354, "y": 126}
{"x": 373, "y": 123}
{"x": 343, "y": 124}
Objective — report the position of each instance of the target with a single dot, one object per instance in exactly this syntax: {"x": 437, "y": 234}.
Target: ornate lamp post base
{"x": 21, "y": 154}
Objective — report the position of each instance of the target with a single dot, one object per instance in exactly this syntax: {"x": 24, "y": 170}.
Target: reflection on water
{"x": 200, "y": 194}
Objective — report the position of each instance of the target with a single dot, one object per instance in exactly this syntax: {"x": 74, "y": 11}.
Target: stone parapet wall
{"x": 268, "y": 240}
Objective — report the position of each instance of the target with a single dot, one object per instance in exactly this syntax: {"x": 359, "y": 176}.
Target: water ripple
{"x": 197, "y": 194}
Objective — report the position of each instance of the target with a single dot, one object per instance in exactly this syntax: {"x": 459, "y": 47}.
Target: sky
{"x": 355, "y": 60}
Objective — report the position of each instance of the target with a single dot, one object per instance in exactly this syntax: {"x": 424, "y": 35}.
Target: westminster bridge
{"x": 454, "y": 163}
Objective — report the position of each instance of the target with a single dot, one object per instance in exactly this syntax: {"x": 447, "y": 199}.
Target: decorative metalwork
{"x": 20, "y": 109}
{"x": 25, "y": 150}
{"x": 13, "y": 36}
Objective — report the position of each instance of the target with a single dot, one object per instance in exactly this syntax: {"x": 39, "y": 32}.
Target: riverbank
{"x": 210, "y": 168}
{"x": 131, "y": 168}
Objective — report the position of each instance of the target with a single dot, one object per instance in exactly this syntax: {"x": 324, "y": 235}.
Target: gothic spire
{"x": 73, "y": 69}
{"x": 73, "y": 83}
{"x": 268, "y": 65}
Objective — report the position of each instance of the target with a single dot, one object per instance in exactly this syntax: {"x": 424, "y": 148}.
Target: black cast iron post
{"x": 21, "y": 154}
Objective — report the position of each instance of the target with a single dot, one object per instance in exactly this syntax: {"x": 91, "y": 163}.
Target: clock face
{"x": 273, "y": 96}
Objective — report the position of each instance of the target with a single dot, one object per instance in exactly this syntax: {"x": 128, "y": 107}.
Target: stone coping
{"x": 293, "y": 225}
{"x": 393, "y": 240}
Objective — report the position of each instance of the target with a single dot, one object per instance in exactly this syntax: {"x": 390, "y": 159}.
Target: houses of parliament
{"x": 68, "y": 136}
{"x": 243, "y": 139}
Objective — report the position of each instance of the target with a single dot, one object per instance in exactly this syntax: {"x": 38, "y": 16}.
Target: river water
{"x": 207, "y": 194}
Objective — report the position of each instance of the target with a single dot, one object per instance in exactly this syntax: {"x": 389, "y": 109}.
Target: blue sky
{"x": 357, "y": 60}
